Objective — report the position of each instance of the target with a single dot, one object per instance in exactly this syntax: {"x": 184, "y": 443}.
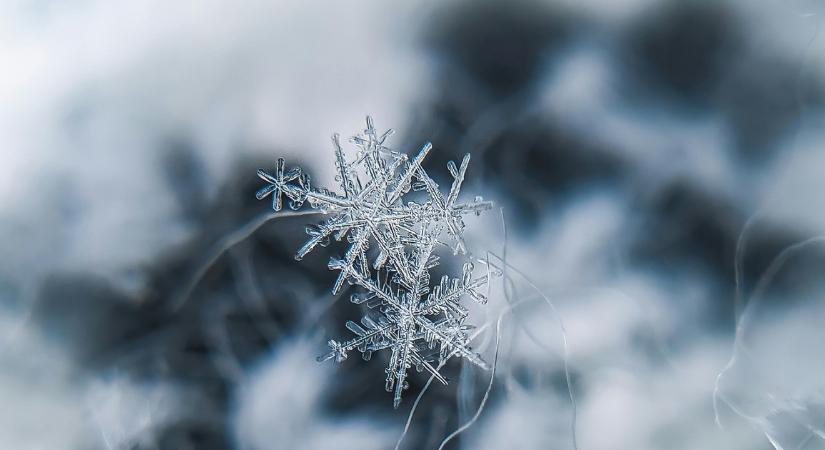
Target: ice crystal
{"x": 421, "y": 325}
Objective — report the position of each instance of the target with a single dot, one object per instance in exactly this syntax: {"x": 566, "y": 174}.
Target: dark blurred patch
{"x": 491, "y": 53}
{"x": 90, "y": 317}
{"x": 680, "y": 50}
{"x": 193, "y": 436}
{"x": 691, "y": 226}
{"x": 502, "y": 45}
{"x": 253, "y": 294}
{"x": 185, "y": 174}
{"x": 687, "y": 228}
{"x": 778, "y": 269}
{"x": 495, "y": 55}
{"x": 538, "y": 162}
{"x": 763, "y": 98}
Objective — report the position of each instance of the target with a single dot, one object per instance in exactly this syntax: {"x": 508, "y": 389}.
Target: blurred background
{"x": 660, "y": 166}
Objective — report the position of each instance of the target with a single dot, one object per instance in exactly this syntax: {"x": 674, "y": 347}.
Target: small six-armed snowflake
{"x": 419, "y": 324}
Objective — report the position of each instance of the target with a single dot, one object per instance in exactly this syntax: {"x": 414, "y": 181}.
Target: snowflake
{"x": 419, "y": 324}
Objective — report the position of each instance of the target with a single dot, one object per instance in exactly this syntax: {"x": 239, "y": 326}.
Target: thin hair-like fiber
{"x": 762, "y": 284}
{"x": 242, "y": 233}
{"x": 566, "y": 348}
{"x": 469, "y": 423}
{"x": 226, "y": 243}
{"x": 508, "y": 287}
{"x": 477, "y": 332}
{"x": 738, "y": 268}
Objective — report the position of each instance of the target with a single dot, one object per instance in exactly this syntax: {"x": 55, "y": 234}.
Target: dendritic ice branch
{"x": 392, "y": 248}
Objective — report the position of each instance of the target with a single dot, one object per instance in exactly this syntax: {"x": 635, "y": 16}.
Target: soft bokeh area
{"x": 658, "y": 169}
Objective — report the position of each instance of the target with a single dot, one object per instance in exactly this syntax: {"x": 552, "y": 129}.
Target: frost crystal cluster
{"x": 392, "y": 248}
